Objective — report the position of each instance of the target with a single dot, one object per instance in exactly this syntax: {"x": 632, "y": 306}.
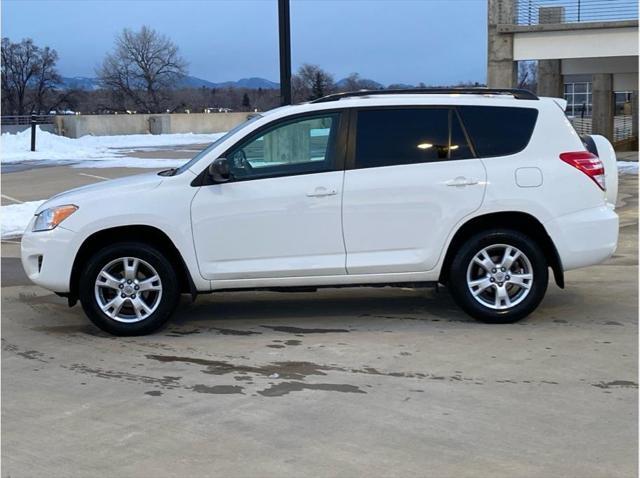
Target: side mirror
{"x": 219, "y": 170}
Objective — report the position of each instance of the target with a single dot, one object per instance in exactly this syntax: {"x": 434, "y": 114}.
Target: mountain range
{"x": 87, "y": 83}
{"x": 253, "y": 83}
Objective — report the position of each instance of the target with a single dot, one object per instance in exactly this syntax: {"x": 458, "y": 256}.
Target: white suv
{"x": 481, "y": 190}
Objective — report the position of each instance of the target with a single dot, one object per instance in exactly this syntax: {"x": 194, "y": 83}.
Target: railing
{"x": 622, "y": 126}
{"x": 26, "y": 119}
{"x": 536, "y": 12}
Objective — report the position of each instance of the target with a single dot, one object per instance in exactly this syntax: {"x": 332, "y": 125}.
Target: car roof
{"x": 418, "y": 99}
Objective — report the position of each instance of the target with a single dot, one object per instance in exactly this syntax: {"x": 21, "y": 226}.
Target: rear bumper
{"x": 586, "y": 237}
{"x": 47, "y": 257}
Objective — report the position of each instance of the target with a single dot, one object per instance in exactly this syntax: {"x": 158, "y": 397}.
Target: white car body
{"x": 353, "y": 226}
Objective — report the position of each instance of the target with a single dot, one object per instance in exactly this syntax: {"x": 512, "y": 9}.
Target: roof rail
{"x": 518, "y": 94}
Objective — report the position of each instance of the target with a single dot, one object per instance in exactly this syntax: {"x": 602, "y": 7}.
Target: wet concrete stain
{"x": 153, "y": 393}
{"x": 181, "y": 333}
{"x": 275, "y": 346}
{"x": 285, "y": 370}
{"x": 28, "y": 354}
{"x": 616, "y": 384}
{"x": 561, "y": 321}
{"x": 235, "y": 332}
{"x": 294, "y": 370}
{"x": 284, "y": 388}
{"x": 293, "y": 342}
{"x": 613, "y": 322}
{"x": 165, "y": 381}
{"x": 299, "y": 330}
{"x": 32, "y": 355}
{"x": 72, "y": 329}
{"x": 218, "y": 389}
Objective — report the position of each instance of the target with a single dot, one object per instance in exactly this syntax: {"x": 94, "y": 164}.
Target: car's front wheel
{"x": 499, "y": 276}
{"x": 128, "y": 289}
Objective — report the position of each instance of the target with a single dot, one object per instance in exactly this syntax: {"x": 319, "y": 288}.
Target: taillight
{"x": 588, "y": 163}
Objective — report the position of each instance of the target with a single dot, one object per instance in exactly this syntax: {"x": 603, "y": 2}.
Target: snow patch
{"x": 15, "y": 148}
{"x": 628, "y": 167}
{"x": 15, "y": 218}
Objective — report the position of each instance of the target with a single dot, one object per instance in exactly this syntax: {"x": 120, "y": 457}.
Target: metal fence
{"x": 622, "y": 126}
{"x": 536, "y": 12}
{"x": 26, "y": 119}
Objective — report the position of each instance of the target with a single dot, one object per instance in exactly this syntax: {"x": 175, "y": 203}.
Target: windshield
{"x": 206, "y": 150}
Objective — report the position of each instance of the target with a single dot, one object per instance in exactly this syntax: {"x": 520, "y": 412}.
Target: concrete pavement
{"x": 346, "y": 382}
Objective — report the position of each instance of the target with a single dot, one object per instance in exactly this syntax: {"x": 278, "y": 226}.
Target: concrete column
{"x": 603, "y": 106}
{"x": 634, "y": 114}
{"x": 549, "y": 71}
{"x": 550, "y": 79}
{"x": 502, "y": 71}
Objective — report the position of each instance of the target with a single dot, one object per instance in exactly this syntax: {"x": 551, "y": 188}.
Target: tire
{"x": 149, "y": 285}
{"x": 501, "y": 296}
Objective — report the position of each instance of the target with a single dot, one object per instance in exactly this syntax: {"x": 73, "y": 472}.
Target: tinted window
{"x": 389, "y": 137}
{"x": 295, "y": 147}
{"x": 498, "y": 131}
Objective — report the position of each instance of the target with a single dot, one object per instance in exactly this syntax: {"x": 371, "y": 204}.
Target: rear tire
{"x": 499, "y": 276}
{"x": 129, "y": 288}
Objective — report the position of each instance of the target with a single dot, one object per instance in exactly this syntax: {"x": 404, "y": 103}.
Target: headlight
{"x": 50, "y": 218}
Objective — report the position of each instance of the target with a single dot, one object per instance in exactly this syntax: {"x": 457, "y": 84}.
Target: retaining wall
{"x": 104, "y": 125}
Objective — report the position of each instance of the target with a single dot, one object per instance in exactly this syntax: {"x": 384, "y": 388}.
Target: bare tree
{"x": 528, "y": 75}
{"x": 29, "y": 76}
{"x": 311, "y": 82}
{"x": 46, "y": 80}
{"x": 354, "y": 82}
{"x": 143, "y": 67}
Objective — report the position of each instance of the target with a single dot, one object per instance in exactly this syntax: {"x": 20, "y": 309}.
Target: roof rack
{"x": 518, "y": 94}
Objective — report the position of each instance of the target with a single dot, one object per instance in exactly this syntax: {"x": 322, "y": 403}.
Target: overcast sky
{"x": 392, "y": 41}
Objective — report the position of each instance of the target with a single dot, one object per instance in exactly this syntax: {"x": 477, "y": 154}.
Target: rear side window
{"x": 390, "y": 137}
{"x": 498, "y": 131}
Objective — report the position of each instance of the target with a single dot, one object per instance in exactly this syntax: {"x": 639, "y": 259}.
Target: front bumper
{"x": 48, "y": 256}
{"x": 586, "y": 237}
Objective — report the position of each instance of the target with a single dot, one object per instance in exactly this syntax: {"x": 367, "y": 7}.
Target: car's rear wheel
{"x": 128, "y": 289}
{"x": 499, "y": 276}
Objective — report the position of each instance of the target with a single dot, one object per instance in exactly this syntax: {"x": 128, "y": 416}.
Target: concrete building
{"x": 586, "y": 51}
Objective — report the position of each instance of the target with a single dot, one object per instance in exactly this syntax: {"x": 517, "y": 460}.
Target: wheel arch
{"x": 142, "y": 233}
{"x": 516, "y": 220}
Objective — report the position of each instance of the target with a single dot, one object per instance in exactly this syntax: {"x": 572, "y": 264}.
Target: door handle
{"x": 321, "y": 192}
{"x": 461, "y": 181}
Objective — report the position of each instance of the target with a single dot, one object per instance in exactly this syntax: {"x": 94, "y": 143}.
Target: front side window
{"x": 391, "y": 137}
{"x": 295, "y": 147}
{"x": 216, "y": 143}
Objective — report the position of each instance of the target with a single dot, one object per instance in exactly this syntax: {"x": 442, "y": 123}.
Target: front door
{"x": 413, "y": 177}
{"x": 280, "y": 213}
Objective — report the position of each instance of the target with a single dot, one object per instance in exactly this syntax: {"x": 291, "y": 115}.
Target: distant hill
{"x": 86, "y": 83}
{"x": 251, "y": 83}
{"x": 79, "y": 83}
{"x": 368, "y": 84}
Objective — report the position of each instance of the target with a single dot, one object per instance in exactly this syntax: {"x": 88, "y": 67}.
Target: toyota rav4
{"x": 481, "y": 190}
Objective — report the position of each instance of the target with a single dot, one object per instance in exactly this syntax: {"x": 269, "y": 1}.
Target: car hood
{"x": 105, "y": 189}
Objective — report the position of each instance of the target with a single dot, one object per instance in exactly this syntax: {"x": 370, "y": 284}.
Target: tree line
{"x": 142, "y": 74}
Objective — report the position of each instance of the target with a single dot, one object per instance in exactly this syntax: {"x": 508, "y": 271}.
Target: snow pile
{"x": 628, "y": 167}
{"x": 51, "y": 147}
{"x": 16, "y": 217}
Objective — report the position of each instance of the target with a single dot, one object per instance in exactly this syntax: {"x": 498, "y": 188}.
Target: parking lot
{"x": 342, "y": 382}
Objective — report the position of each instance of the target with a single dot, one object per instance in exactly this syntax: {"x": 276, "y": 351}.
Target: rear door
{"x": 411, "y": 177}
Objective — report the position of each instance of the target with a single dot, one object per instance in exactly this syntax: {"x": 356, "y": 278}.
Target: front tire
{"x": 499, "y": 276}
{"x": 129, "y": 288}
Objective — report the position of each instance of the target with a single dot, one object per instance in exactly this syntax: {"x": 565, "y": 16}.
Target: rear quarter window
{"x": 498, "y": 130}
